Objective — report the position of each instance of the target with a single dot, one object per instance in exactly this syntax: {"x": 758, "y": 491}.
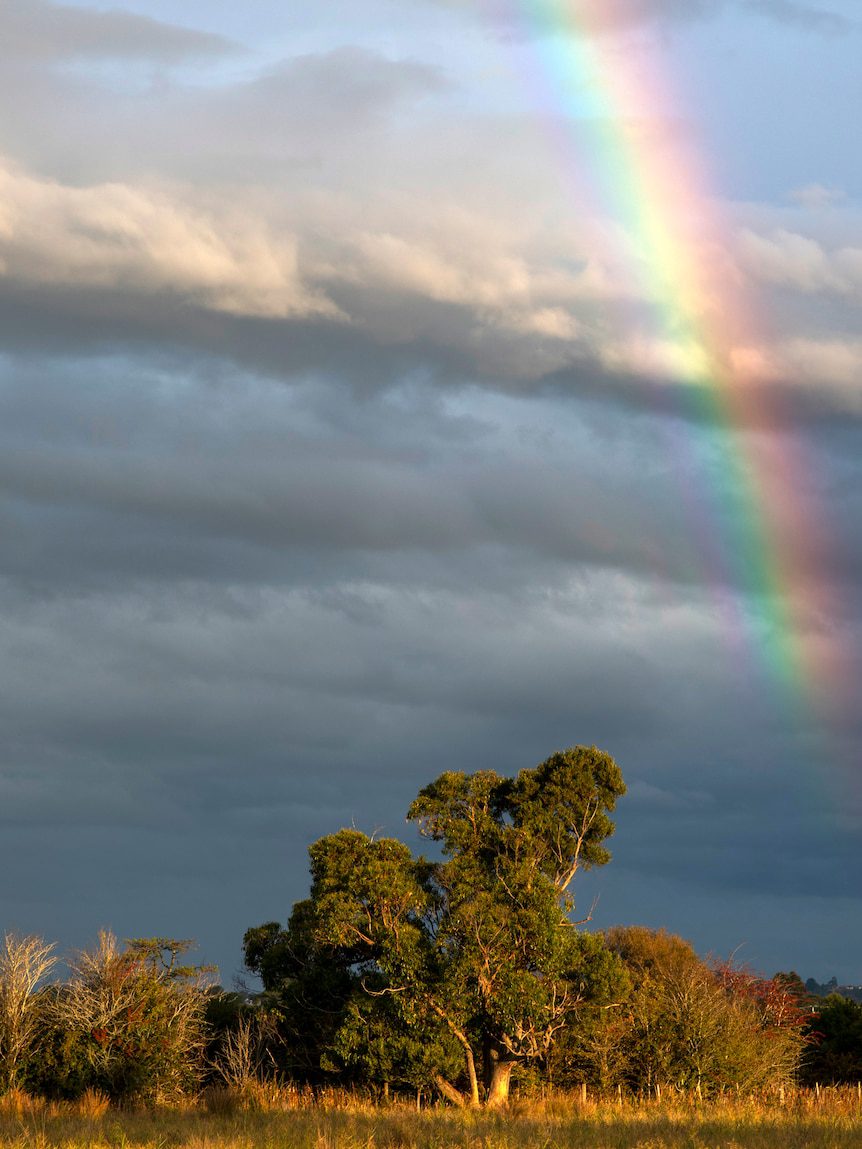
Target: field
{"x": 830, "y": 1120}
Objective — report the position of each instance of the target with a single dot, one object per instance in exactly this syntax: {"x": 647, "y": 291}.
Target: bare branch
{"x": 24, "y": 963}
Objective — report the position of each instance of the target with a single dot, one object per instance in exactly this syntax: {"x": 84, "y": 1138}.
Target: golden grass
{"x": 291, "y": 1119}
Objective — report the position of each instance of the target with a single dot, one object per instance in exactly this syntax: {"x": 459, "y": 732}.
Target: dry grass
{"x": 291, "y": 1119}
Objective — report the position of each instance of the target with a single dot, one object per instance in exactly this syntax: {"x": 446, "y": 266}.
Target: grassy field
{"x": 831, "y": 1121}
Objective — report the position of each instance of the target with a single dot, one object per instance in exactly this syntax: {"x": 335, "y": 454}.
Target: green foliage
{"x": 306, "y": 988}
{"x": 129, "y": 1022}
{"x": 476, "y": 951}
{"x": 378, "y": 1043}
{"x": 268, "y": 954}
{"x": 686, "y": 1024}
{"x": 60, "y": 1066}
{"x": 513, "y": 847}
{"x": 835, "y": 1054}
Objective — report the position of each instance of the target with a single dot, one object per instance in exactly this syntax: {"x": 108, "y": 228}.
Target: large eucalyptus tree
{"x": 479, "y": 946}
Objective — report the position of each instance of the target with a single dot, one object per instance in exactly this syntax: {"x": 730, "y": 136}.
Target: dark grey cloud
{"x": 334, "y": 453}
{"x": 796, "y": 849}
{"x": 213, "y": 733}
{"x": 617, "y": 14}
{"x": 611, "y": 15}
{"x": 291, "y": 120}
{"x": 335, "y": 86}
{"x": 620, "y": 15}
{"x": 283, "y": 119}
{"x": 228, "y": 479}
{"x": 43, "y": 30}
{"x": 813, "y": 18}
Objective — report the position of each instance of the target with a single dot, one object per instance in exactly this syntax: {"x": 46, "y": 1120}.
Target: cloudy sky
{"x": 349, "y": 433}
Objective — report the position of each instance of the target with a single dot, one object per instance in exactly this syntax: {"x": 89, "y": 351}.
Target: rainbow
{"x": 770, "y": 569}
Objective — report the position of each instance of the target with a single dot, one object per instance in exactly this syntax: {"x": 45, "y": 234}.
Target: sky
{"x": 354, "y": 427}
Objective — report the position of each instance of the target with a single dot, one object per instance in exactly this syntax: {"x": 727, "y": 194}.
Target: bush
{"x": 129, "y": 1023}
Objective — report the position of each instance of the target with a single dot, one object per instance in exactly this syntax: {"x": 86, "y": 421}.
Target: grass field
{"x": 832, "y": 1120}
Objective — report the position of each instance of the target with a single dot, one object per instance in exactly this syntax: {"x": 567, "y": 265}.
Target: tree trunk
{"x": 450, "y": 1092}
{"x": 455, "y": 1095}
{"x": 468, "y": 1057}
{"x": 474, "y": 1081}
{"x": 498, "y": 1090}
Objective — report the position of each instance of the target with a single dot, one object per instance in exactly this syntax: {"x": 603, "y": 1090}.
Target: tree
{"x": 478, "y": 946}
{"x": 836, "y": 1051}
{"x": 307, "y": 986}
{"x": 668, "y": 1021}
{"x": 131, "y": 1020}
{"x": 779, "y": 1013}
{"x": 693, "y": 1025}
{"x": 24, "y": 963}
{"x": 381, "y": 1045}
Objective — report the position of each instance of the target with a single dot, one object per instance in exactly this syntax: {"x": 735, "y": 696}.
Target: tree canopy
{"x": 477, "y": 949}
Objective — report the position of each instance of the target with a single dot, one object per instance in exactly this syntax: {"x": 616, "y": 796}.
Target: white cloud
{"x": 511, "y": 296}
{"x": 829, "y": 361}
{"x": 815, "y": 197}
{"x": 116, "y": 236}
{"x": 789, "y": 259}
{"x": 816, "y": 364}
{"x": 683, "y": 361}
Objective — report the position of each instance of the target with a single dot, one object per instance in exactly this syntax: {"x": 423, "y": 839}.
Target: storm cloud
{"x": 339, "y": 446}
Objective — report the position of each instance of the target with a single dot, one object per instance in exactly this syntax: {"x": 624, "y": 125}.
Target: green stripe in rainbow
{"x": 679, "y": 248}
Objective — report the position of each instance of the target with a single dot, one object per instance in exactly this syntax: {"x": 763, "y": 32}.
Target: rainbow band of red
{"x": 702, "y": 310}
